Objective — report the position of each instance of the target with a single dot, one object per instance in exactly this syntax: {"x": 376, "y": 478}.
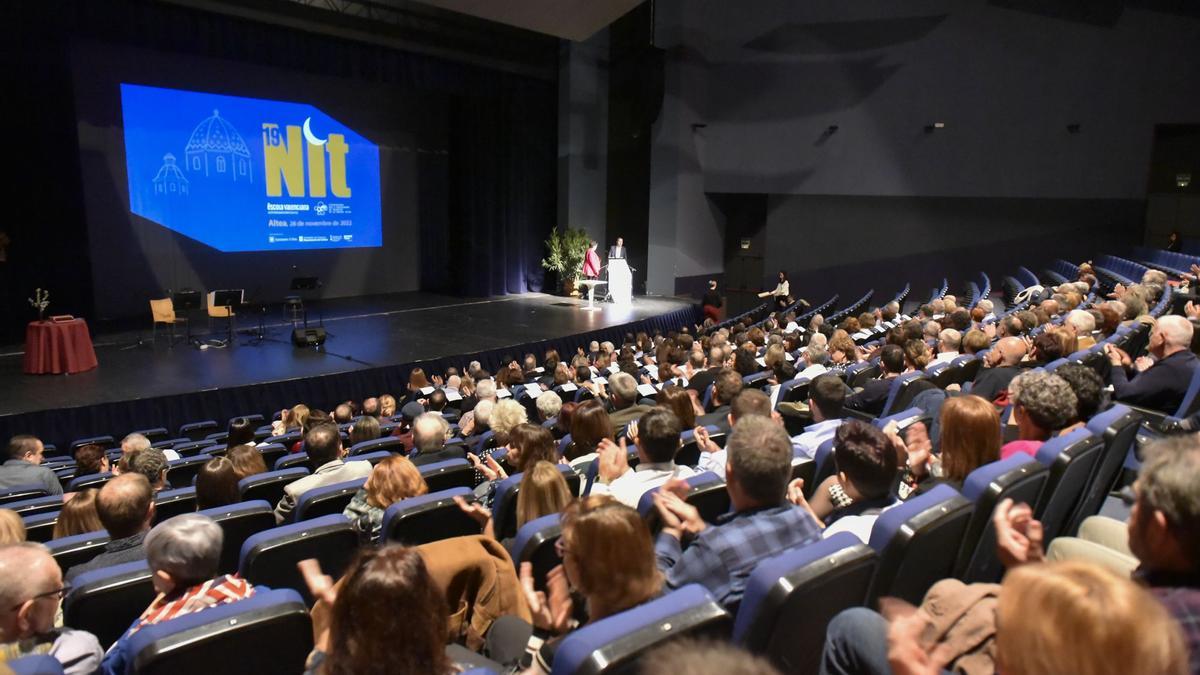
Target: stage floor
{"x": 364, "y": 333}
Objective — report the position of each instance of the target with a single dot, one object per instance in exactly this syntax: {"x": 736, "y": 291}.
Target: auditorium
{"x": 600, "y": 337}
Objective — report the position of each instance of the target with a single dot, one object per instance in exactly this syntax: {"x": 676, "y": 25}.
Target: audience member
{"x": 430, "y": 432}
{"x": 697, "y": 657}
{"x": 865, "y": 465}
{"x": 394, "y": 479}
{"x": 91, "y": 459}
{"x": 241, "y": 432}
{"x": 22, "y": 467}
{"x": 1161, "y": 379}
{"x": 217, "y": 484}
{"x": 748, "y": 402}
{"x": 970, "y": 438}
{"x": 246, "y": 460}
{"x": 874, "y": 394}
{"x": 1043, "y": 403}
{"x": 657, "y": 438}
{"x": 589, "y": 425}
{"x": 1000, "y": 367}
{"x": 762, "y": 522}
{"x": 365, "y": 428}
{"x": 12, "y": 527}
{"x": 325, "y": 453}
{"x": 78, "y": 515}
{"x": 126, "y": 509}
{"x": 727, "y": 386}
{"x": 548, "y": 404}
{"x": 1089, "y": 392}
{"x": 623, "y": 397}
{"x": 31, "y": 588}
{"x": 677, "y": 400}
{"x": 183, "y": 554}
{"x": 151, "y": 463}
{"x": 826, "y": 399}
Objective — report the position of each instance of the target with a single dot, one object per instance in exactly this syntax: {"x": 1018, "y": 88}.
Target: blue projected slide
{"x": 247, "y": 174}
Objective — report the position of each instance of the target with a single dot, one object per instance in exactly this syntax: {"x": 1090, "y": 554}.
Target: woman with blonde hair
{"x": 387, "y": 406}
{"x": 394, "y": 479}
{"x": 506, "y": 415}
{"x": 290, "y": 418}
{"x": 12, "y": 528}
{"x": 78, "y": 515}
{"x": 543, "y": 491}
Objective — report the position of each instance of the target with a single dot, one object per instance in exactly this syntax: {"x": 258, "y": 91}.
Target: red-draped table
{"x": 58, "y": 347}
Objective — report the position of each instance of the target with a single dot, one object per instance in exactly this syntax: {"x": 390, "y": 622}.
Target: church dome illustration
{"x": 170, "y": 180}
{"x": 217, "y": 149}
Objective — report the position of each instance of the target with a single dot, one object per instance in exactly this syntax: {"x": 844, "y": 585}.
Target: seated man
{"x": 30, "y": 593}
{"x": 183, "y": 553}
{"x": 325, "y": 452}
{"x": 949, "y": 341}
{"x": 125, "y": 506}
{"x": 728, "y": 386}
{"x": 865, "y": 468}
{"x": 152, "y": 464}
{"x": 874, "y": 394}
{"x": 623, "y": 394}
{"x": 826, "y": 398}
{"x": 22, "y": 467}
{"x": 1159, "y": 382}
{"x": 656, "y": 436}
{"x": 136, "y": 443}
{"x": 748, "y": 402}
{"x": 762, "y": 522}
{"x": 1000, "y": 367}
{"x": 429, "y": 432}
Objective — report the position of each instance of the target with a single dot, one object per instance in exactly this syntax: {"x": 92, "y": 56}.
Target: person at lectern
{"x": 781, "y": 292}
{"x": 617, "y": 251}
{"x": 591, "y": 262}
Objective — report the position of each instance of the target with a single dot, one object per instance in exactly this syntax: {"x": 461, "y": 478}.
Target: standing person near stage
{"x": 591, "y": 262}
{"x": 780, "y": 295}
{"x": 711, "y": 302}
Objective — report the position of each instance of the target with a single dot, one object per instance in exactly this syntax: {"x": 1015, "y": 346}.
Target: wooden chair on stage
{"x": 218, "y": 311}
{"x": 163, "y": 311}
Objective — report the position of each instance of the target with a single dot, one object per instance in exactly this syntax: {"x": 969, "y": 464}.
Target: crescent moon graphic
{"x": 308, "y": 134}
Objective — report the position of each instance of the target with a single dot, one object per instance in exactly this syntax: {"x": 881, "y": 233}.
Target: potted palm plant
{"x": 565, "y": 251}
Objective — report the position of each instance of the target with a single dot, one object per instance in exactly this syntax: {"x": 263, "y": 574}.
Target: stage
{"x": 372, "y": 343}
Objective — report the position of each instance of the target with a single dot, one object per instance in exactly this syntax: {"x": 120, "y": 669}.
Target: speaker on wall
{"x": 308, "y": 337}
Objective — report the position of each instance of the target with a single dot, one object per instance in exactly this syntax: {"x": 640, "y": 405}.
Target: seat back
{"x": 238, "y": 522}
{"x": 271, "y": 452}
{"x": 181, "y": 473}
{"x": 36, "y": 664}
{"x": 103, "y": 441}
{"x": 823, "y": 466}
{"x": 1019, "y": 478}
{"x": 269, "y": 486}
{"x": 36, "y": 504}
{"x": 23, "y": 493}
{"x": 269, "y": 557}
{"x": 896, "y": 391}
{"x": 78, "y": 549}
{"x": 390, "y": 443}
{"x": 706, "y": 492}
{"x": 689, "y": 450}
{"x": 534, "y": 544}
{"x": 163, "y": 310}
{"x": 40, "y": 526}
{"x": 326, "y": 500}
{"x": 106, "y": 601}
{"x": 614, "y": 644}
{"x": 430, "y": 517}
{"x": 917, "y": 543}
{"x": 198, "y": 430}
{"x": 291, "y": 461}
{"x": 269, "y": 632}
{"x": 1070, "y": 459}
{"x": 170, "y": 503}
{"x": 91, "y": 480}
{"x": 448, "y": 474}
{"x": 791, "y": 598}
{"x": 1117, "y": 426}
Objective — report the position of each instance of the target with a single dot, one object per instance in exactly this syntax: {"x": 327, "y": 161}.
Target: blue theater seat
{"x": 391, "y": 444}
{"x": 1019, "y": 478}
{"x": 198, "y": 430}
{"x": 269, "y": 557}
{"x": 706, "y": 492}
{"x": 181, "y": 473}
{"x": 38, "y": 664}
{"x": 430, "y": 517}
{"x": 326, "y": 500}
{"x": 238, "y": 522}
{"x": 1070, "y": 459}
{"x": 917, "y": 543}
{"x": 106, "y": 601}
{"x": 169, "y": 503}
{"x": 92, "y": 480}
{"x": 269, "y": 632}
{"x": 35, "y": 505}
{"x": 534, "y": 544}
{"x": 614, "y": 644}
{"x": 40, "y": 526}
{"x": 1117, "y": 426}
{"x": 448, "y": 474}
{"x": 78, "y": 549}
{"x": 291, "y": 461}
{"x": 269, "y": 486}
{"x": 790, "y": 599}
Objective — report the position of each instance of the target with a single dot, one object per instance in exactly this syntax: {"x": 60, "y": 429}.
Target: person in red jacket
{"x": 591, "y": 262}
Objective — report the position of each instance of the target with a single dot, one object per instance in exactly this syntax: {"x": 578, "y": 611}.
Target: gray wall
{"x": 583, "y": 134}
{"x": 765, "y": 79}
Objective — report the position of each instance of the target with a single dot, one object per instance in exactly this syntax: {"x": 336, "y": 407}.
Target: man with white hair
{"x": 949, "y": 341}
{"x": 1082, "y": 324}
{"x": 623, "y": 394}
{"x": 429, "y": 433}
{"x": 183, "y": 554}
{"x": 137, "y": 442}
{"x": 548, "y": 405}
{"x": 1159, "y": 382}
{"x": 485, "y": 390}
{"x": 31, "y": 586}
{"x": 987, "y": 307}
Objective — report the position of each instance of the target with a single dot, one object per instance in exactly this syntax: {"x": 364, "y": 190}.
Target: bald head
{"x": 126, "y": 505}
{"x": 1176, "y": 332}
{"x": 1012, "y": 350}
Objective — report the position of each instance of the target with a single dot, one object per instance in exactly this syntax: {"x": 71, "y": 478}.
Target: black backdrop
{"x": 502, "y": 135}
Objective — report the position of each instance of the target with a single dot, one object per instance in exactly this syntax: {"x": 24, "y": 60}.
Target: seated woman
{"x": 247, "y": 461}
{"x": 589, "y": 425}
{"x": 608, "y": 560}
{"x": 290, "y": 419}
{"x": 385, "y": 615}
{"x": 543, "y": 491}
{"x": 676, "y": 399}
{"x": 364, "y": 429}
{"x": 241, "y": 432}
{"x": 1043, "y": 403}
{"x": 183, "y": 553}
{"x": 392, "y": 480}
{"x": 217, "y": 484}
{"x": 970, "y": 438}
{"x": 12, "y": 528}
{"x": 91, "y": 459}
{"x": 527, "y": 444}
{"x": 78, "y": 515}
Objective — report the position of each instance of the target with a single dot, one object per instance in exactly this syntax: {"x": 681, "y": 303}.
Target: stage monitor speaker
{"x": 308, "y": 337}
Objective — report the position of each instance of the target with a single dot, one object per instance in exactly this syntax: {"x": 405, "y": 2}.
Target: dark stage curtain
{"x": 65, "y": 425}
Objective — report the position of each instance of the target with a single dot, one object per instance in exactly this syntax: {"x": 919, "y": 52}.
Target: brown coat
{"x": 480, "y": 583}
{"x": 963, "y": 617}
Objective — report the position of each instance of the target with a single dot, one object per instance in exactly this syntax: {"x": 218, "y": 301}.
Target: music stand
{"x": 185, "y": 301}
{"x": 229, "y": 299}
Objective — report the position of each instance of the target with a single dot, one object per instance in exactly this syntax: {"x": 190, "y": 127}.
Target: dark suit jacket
{"x": 620, "y": 418}
{"x": 421, "y": 459}
{"x": 614, "y": 253}
{"x": 718, "y": 418}
{"x": 991, "y": 381}
{"x": 702, "y": 379}
{"x": 872, "y": 397}
{"x": 1161, "y": 386}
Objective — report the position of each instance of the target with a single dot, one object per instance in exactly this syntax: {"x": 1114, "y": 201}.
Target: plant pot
{"x": 570, "y": 288}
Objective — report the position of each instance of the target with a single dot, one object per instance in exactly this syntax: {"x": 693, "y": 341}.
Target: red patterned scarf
{"x": 212, "y": 593}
